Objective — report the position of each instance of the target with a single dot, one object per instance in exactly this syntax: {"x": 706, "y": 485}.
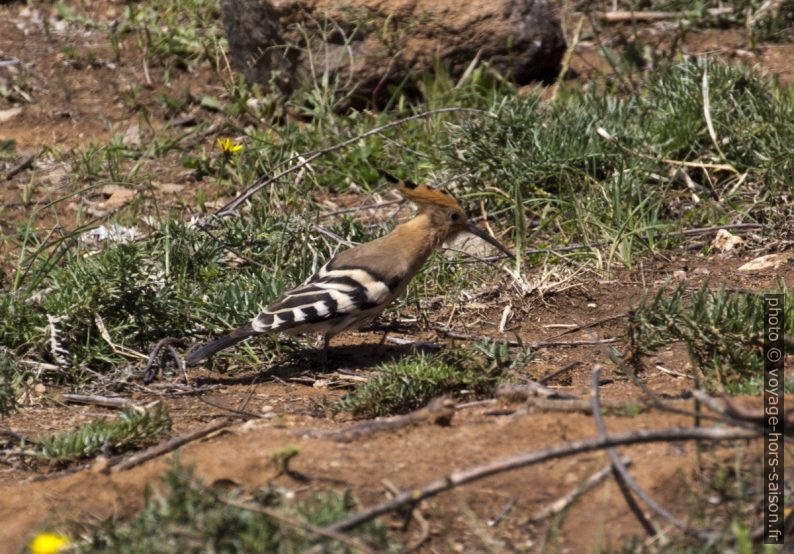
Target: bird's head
{"x": 447, "y": 217}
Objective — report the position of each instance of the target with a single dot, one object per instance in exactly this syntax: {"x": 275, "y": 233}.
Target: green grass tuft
{"x": 547, "y": 162}
{"x": 183, "y": 515}
{"x": 721, "y": 329}
{"x": 411, "y": 382}
{"x": 131, "y": 429}
{"x": 10, "y": 376}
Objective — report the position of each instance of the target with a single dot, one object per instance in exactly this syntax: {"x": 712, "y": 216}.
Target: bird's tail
{"x": 204, "y": 352}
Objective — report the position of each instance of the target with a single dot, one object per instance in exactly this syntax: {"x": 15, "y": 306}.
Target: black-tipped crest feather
{"x": 396, "y": 180}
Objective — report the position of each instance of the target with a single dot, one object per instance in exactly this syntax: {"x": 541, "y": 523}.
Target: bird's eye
{"x": 455, "y": 217}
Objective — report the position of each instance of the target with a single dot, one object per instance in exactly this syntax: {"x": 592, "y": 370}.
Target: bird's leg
{"x": 324, "y": 351}
{"x": 383, "y": 338}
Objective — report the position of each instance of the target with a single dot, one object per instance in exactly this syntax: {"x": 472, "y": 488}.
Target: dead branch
{"x": 461, "y": 477}
{"x": 673, "y": 373}
{"x": 476, "y": 403}
{"x": 357, "y": 209}
{"x": 168, "y": 446}
{"x": 624, "y": 480}
{"x": 579, "y": 405}
{"x": 422, "y": 345}
{"x": 150, "y": 371}
{"x": 652, "y": 399}
{"x": 24, "y": 163}
{"x": 534, "y": 345}
{"x": 180, "y": 363}
{"x": 622, "y": 475}
{"x": 438, "y": 411}
{"x": 416, "y": 513}
{"x": 740, "y": 415}
{"x": 298, "y": 524}
{"x": 56, "y": 474}
{"x": 235, "y": 411}
{"x": 684, "y": 233}
{"x": 39, "y": 366}
{"x": 520, "y": 393}
{"x": 604, "y": 134}
{"x": 557, "y": 372}
{"x": 562, "y": 503}
{"x": 494, "y": 521}
{"x": 592, "y": 324}
{"x": 715, "y": 228}
{"x": 755, "y": 416}
{"x": 117, "y": 402}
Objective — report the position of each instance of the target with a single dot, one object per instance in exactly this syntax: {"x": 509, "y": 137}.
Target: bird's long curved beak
{"x": 470, "y": 227}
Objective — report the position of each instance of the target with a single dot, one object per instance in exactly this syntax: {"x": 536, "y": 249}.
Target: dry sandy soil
{"x": 71, "y": 106}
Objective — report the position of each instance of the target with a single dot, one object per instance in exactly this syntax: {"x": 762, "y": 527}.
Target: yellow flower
{"x": 48, "y": 543}
{"x": 228, "y": 146}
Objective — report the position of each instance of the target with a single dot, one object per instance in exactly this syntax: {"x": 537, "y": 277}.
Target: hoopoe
{"x": 356, "y": 285}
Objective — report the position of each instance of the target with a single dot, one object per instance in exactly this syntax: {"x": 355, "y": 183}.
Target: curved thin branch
{"x": 298, "y": 524}
{"x": 625, "y": 479}
{"x": 494, "y": 467}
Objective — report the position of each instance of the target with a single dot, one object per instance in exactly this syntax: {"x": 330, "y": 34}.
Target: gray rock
{"x": 363, "y": 44}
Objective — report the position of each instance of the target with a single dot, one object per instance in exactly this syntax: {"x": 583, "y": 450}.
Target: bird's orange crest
{"x": 423, "y": 194}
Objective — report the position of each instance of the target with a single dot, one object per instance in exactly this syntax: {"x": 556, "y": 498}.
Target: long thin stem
{"x": 476, "y": 473}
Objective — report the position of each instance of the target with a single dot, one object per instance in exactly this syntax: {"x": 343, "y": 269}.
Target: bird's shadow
{"x": 307, "y": 362}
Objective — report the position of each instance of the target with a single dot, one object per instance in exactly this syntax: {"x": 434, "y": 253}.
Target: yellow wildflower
{"x": 48, "y": 543}
{"x": 228, "y": 146}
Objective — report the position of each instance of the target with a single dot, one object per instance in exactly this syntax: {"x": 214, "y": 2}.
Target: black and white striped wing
{"x": 331, "y": 294}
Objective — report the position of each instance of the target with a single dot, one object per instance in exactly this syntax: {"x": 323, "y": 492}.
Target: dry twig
{"x": 625, "y": 480}
{"x": 461, "y": 477}
{"x": 736, "y": 414}
{"x": 117, "y": 348}
{"x": 117, "y": 402}
{"x": 562, "y": 503}
{"x": 533, "y": 345}
{"x": 557, "y": 372}
{"x": 439, "y": 411}
{"x": 169, "y": 446}
{"x": 416, "y": 513}
{"x": 298, "y": 524}
{"x": 579, "y": 405}
{"x": 528, "y": 389}
{"x": 150, "y": 371}
{"x": 237, "y": 412}
{"x": 25, "y": 163}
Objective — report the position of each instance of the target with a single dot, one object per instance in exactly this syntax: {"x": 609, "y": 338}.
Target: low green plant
{"x": 600, "y": 168}
{"x": 410, "y": 382}
{"x": 722, "y": 331}
{"x": 184, "y": 515}
{"x": 130, "y": 429}
{"x": 10, "y": 376}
